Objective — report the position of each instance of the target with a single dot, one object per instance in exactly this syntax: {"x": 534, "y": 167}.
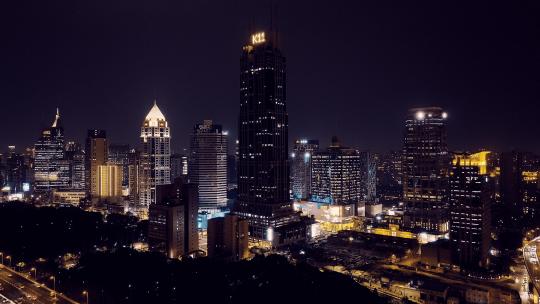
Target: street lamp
{"x": 35, "y": 273}
{"x": 9, "y": 258}
{"x": 2, "y": 255}
{"x": 85, "y": 293}
{"x": 53, "y": 278}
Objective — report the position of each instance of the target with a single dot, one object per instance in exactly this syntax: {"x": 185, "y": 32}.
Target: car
{"x": 9, "y": 275}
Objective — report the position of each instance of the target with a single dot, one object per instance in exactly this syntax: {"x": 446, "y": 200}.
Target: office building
{"x": 133, "y": 177}
{"x": 110, "y": 182}
{"x": 228, "y": 237}
{"x": 263, "y": 175}
{"x": 336, "y": 175}
{"x": 76, "y": 157}
{"x": 155, "y": 157}
{"x": 208, "y": 165}
{"x": 179, "y": 165}
{"x": 16, "y": 173}
{"x": 119, "y": 155}
{"x": 425, "y": 171}
{"x": 172, "y": 223}
{"x": 50, "y": 170}
{"x": 470, "y": 213}
{"x": 301, "y": 167}
{"x": 389, "y": 186}
{"x": 97, "y": 150}
{"x": 368, "y": 177}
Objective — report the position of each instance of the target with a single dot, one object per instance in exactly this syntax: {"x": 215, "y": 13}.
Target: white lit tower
{"x": 155, "y": 158}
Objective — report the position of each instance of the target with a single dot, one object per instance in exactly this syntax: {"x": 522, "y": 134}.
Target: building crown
{"x": 155, "y": 118}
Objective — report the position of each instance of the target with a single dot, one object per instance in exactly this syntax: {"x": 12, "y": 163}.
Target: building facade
{"x": 470, "y": 214}
{"x": 301, "y": 167}
{"x": 119, "y": 155}
{"x": 228, "y": 237}
{"x": 208, "y": 165}
{"x": 425, "y": 171}
{"x": 172, "y": 222}
{"x": 263, "y": 174}
{"x": 50, "y": 168}
{"x": 155, "y": 157}
{"x": 97, "y": 150}
{"x": 179, "y": 165}
{"x": 76, "y": 157}
{"x": 336, "y": 175}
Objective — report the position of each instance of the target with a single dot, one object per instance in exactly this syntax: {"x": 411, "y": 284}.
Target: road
{"x": 20, "y": 289}
{"x": 530, "y": 255}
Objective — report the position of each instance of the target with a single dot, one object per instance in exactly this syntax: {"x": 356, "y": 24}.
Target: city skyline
{"x": 363, "y": 74}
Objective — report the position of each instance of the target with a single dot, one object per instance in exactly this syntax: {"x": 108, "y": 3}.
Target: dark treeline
{"x": 114, "y": 273}
{"x": 127, "y": 276}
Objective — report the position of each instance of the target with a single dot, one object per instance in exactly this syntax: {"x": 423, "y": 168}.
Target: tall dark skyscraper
{"x": 263, "y": 175}
{"x": 425, "y": 170}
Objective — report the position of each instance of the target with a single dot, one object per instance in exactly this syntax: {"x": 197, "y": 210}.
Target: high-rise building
{"x": 389, "y": 186}
{"x": 97, "y": 149}
{"x": 208, "y": 165}
{"x": 110, "y": 182}
{"x": 155, "y": 159}
{"x": 263, "y": 175}
{"x": 76, "y": 157}
{"x": 133, "y": 178}
{"x": 179, "y": 165}
{"x": 119, "y": 155}
{"x": 425, "y": 171}
{"x": 50, "y": 168}
{"x": 172, "y": 223}
{"x": 16, "y": 173}
{"x": 470, "y": 212}
{"x": 336, "y": 176}
{"x": 228, "y": 237}
{"x": 368, "y": 176}
{"x": 301, "y": 167}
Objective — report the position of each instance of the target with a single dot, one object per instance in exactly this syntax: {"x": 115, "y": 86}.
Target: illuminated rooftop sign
{"x": 258, "y": 38}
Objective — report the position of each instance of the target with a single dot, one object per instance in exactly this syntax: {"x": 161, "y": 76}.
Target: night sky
{"x": 353, "y": 68}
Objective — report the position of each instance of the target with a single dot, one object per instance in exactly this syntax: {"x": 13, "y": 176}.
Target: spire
{"x": 56, "y": 122}
{"x": 155, "y": 116}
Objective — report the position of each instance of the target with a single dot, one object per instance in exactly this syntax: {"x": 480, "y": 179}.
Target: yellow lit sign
{"x": 257, "y": 38}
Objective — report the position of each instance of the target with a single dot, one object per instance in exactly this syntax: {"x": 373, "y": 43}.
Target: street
{"x": 19, "y": 289}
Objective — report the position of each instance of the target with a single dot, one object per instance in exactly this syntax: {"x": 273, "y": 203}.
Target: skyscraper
{"x": 301, "y": 167}
{"x": 208, "y": 165}
{"x": 179, "y": 165}
{"x": 76, "y": 158}
{"x": 425, "y": 170}
{"x": 335, "y": 175}
{"x": 470, "y": 212}
{"x": 119, "y": 155}
{"x": 155, "y": 161}
{"x": 263, "y": 175}
{"x": 368, "y": 176}
{"x": 50, "y": 168}
{"x": 97, "y": 149}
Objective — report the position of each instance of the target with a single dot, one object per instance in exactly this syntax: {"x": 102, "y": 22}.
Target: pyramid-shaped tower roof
{"x": 154, "y": 116}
